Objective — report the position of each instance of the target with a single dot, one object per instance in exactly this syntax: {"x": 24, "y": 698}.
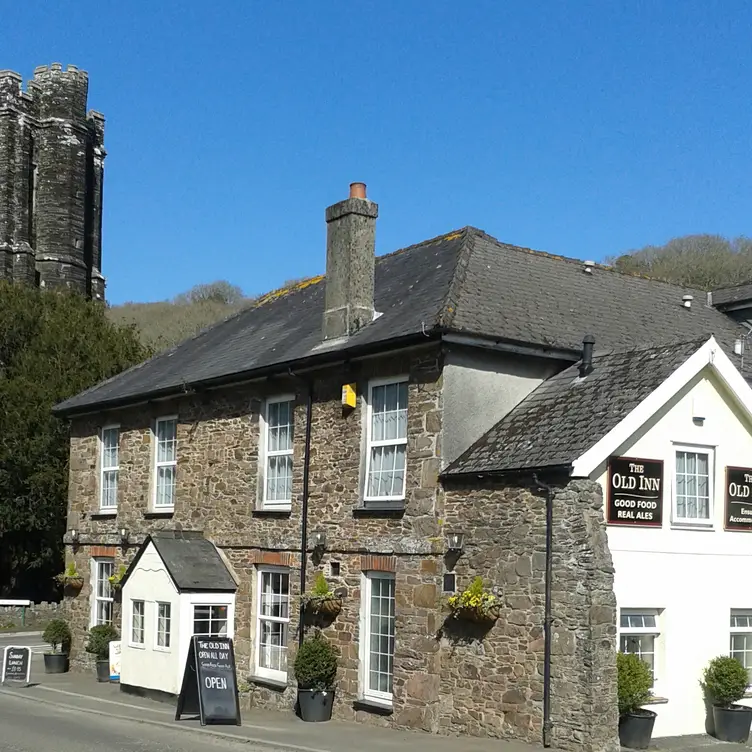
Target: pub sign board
{"x": 16, "y": 665}
{"x": 635, "y": 492}
{"x": 738, "y": 512}
{"x": 210, "y": 685}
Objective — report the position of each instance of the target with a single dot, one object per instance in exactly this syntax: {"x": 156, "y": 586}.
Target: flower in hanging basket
{"x": 70, "y": 578}
{"x": 475, "y": 603}
{"x": 116, "y": 578}
{"x": 322, "y": 600}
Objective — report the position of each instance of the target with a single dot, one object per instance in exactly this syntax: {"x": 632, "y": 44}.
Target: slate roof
{"x": 465, "y": 281}
{"x": 568, "y": 414}
{"x": 727, "y": 295}
{"x": 194, "y": 564}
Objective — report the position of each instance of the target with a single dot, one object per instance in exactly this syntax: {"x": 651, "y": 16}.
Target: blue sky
{"x": 580, "y": 128}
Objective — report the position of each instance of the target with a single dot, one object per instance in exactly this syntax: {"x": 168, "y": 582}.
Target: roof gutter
{"x": 519, "y": 471}
{"x": 312, "y": 362}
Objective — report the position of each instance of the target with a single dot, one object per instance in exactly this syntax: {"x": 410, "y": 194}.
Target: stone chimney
{"x": 350, "y": 259}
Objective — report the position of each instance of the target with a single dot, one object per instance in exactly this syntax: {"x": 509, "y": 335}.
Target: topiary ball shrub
{"x": 316, "y": 664}
{"x": 99, "y": 641}
{"x": 635, "y": 680}
{"x": 57, "y": 635}
{"x": 725, "y": 681}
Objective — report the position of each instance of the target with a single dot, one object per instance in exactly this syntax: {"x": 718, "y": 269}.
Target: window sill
{"x": 156, "y": 514}
{"x": 137, "y": 645}
{"x": 273, "y": 512}
{"x": 265, "y": 681}
{"x": 693, "y": 526}
{"x": 384, "y": 707}
{"x": 380, "y": 509}
{"x": 109, "y": 514}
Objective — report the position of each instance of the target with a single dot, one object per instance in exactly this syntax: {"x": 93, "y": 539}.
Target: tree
{"x": 52, "y": 346}
{"x": 703, "y": 262}
{"x": 216, "y": 292}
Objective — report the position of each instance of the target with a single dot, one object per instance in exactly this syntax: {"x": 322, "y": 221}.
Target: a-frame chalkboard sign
{"x": 16, "y": 667}
{"x": 210, "y": 686}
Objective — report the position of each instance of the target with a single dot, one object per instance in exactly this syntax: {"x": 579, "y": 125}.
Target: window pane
{"x": 387, "y": 471}
{"x": 110, "y": 440}
{"x": 163, "y": 625}
{"x": 166, "y": 440}
{"x": 137, "y": 624}
{"x": 381, "y": 637}
{"x": 279, "y": 478}
{"x": 165, "y": 486}
{"x": 279, "y": 417}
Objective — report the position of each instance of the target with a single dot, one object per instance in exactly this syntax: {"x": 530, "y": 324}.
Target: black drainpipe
{"x": 304, "y": 511}
{"x": 547, "y": 619}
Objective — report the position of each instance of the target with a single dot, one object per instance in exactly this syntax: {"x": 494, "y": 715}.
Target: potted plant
{"x": 98, "y": 644}
{"x": 70, "y": 579}
{"x": 315, "y": 671}
{"x": 322, "y": 600}
{"x": 475, "y": 603}
{"x": 725, "y": 682}
{"x": 57, "y": 635}
{"x": 634, "y": 682}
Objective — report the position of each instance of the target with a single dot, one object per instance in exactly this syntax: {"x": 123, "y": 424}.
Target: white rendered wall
{"x": 147, "y": 665}
{"x": 696, "y": 576}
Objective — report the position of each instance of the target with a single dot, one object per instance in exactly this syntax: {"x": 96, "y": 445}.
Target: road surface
{"x": 32, "y": 640}
{"x": 29, "y": 726}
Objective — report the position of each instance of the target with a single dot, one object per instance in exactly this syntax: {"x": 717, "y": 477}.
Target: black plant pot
{"x": 55, "y": 663}
{"x": 636, "y": 729}
{"x": 315, "y": 704}
{"x": 732, "y": 724}
{"x": 103, "y": 671}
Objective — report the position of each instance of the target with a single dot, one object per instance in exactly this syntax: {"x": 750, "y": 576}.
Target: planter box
{"x": 477, "y": 615}
{"x": 732, "y": 724}
{"x": 325, "y": 606}
{"x": 55, "y": 663}
{"x": 636, "y": 729}
{"x": 315, "y": 705}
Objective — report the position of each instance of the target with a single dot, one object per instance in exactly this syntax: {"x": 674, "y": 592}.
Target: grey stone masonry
{"x": 350, "y": 260}
{"x": 51, "y": 172}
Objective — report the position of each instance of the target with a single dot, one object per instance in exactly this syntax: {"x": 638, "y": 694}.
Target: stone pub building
{"x": 403, "y": 424}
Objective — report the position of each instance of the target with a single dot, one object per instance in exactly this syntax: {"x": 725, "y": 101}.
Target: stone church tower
{"x": 51, "y": 172}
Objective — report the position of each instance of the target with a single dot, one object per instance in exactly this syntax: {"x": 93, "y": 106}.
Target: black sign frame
{"x": 736, "y": 475}
{"x": 197, "y": 696}
{"x": 14, "y": 677}
{"x": 621, "y": 465}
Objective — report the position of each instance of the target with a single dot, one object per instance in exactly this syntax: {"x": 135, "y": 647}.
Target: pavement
{"x": 54, "y": 703}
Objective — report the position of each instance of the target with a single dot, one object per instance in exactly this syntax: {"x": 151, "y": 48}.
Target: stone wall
{"x": 217, "y": 475}
{"x": 496, "y": 677}
{"x": 34, "y": 617}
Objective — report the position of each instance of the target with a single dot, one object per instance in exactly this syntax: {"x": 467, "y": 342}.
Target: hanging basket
{"x": 477, "y": 615}
{"x": 72, "y": 585}
{"x": 329, "y": 606}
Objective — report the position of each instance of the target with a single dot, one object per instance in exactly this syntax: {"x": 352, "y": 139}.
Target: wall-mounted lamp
{"x": 74, "y": 535}
{"x": 455, "y": 541}
{"x": 319, "y": 539}
{"x": 124, "y": 534}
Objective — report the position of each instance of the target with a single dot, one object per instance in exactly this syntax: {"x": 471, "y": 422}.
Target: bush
{"x": 635, "y": 680}
{"x": 57, "y": 634}
{"x": 316, "y": 664}
{"x": 99, "y": 641}
{"x": 725, "y": 681}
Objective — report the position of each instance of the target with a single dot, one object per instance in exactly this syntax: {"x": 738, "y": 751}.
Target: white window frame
{"x": 263, "y": 671}
{"x": 134, "y": 643}
{"x": 156, "y": 465}
{"x": 95, "y": 597}
{"x": 206, "y": 604}
{"x": 655, "y": 632}
{"x": 168, "y": 632}
{"x": 370, "y": 444}
{"x": 265, "y": 454}
{"x": 746, "y": 631}
{"x": 375, "y": 697}
{"x": 109, "y": 469}
{"x": 693, "y": 521}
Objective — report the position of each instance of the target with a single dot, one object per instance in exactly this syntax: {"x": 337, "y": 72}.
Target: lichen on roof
{"x": 287, "y": 289}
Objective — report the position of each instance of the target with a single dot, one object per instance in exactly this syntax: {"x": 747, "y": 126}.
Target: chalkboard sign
{"x": 16, "y": 664}
{"x": 738, "y": 514}
{"x": 635, "y": 492}
{"x": 210, "y": 687}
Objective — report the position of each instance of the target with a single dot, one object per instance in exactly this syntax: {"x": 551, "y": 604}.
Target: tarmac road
{"x": 27, "y": 726}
